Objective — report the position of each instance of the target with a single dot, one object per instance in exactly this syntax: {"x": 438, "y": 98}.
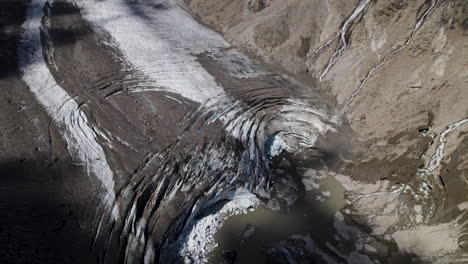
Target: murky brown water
{"x": 307, "y": 215}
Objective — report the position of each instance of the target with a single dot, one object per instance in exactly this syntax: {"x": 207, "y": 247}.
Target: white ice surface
{"x": 278, "y": 146}
{"x": 81, "y": 139}
{"x": 162, "y": 43}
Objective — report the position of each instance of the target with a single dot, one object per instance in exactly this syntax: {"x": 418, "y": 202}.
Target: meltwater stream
{"x": 247, "y": 139}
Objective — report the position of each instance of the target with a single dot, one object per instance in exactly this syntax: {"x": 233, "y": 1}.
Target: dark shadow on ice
{"x": 12, "y": 14}
{"x": 12, "y": 17}
{"x": 38, "y": 220}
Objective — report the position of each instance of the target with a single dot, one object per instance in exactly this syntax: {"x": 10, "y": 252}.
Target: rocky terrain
{"x": 398, "y": 71}
{"x": 216, "y": 131}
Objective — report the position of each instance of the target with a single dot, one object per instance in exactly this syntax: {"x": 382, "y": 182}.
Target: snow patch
{"x": 436, "y": 159}
{"x": 342, "y": 35}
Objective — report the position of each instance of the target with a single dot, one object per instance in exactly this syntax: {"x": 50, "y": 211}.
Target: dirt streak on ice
{"x": 80, "y": 137}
